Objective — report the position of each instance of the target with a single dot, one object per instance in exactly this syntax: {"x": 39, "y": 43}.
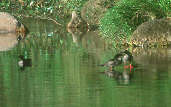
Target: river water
{"x": 62, "y": 71}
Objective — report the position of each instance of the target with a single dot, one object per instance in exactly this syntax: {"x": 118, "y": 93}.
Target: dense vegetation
{"x": 121, "y": 20}
{"x": 56, "y": 10}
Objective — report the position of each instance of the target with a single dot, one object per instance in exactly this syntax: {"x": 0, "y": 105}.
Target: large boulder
{"x": 152, "y": 33}
{"x": 9, "y": 24}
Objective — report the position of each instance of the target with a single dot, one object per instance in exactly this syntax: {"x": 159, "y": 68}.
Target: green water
{"x": 65, "y": 73}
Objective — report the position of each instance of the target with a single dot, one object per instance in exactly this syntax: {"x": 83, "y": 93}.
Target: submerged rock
{"x": 9, "y": 24}
{"x": 152, "y": 33}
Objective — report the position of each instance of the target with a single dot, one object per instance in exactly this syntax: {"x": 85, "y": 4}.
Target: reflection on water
{"x": 120, "y": 77}
{"x": 63, "y": 74}
{"x": 7, "y": 41}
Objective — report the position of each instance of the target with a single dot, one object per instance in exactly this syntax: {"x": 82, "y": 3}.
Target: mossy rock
{"x": 92, "y": 11}
{"x": 156, "y": 32}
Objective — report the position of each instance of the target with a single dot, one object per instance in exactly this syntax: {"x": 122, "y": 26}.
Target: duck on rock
{"x": 120, "y": 58}
{"x": 77, "y": 22}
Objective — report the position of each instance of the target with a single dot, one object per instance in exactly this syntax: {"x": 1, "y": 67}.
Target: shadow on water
{"x": 63, "y": 72}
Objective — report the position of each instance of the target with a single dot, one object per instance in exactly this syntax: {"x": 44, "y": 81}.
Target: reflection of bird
{"x": 118, "y": 75}
{"x": 120, "y": 58}
{"x": 123, "y": 77}
{"x": 23, "y": 62}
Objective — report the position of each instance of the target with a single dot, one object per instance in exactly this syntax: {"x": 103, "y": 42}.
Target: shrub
{"x": 121, "y": 20}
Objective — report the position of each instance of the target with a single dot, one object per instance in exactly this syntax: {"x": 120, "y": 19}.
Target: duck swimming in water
{"x": 120, "y": 58}
{"x": 24, "y": 62}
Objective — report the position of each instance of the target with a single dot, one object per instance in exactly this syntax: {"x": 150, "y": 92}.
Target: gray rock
{"x": 157, "y": 31}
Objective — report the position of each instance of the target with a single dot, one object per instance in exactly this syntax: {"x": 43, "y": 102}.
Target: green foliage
{"x": 57, "y": 9}
{"x": 75, "y": 4}
{"x": 121, "y": 20}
